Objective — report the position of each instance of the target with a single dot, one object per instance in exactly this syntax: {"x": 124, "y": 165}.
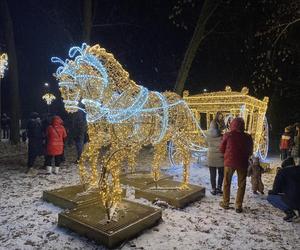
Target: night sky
{"x": 141, "y": 36}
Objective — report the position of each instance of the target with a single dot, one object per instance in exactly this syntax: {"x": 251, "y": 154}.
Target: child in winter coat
{"x": 286, "y": 143}
{"x": 56, "y": 135}
{"x": 255, "y": 171}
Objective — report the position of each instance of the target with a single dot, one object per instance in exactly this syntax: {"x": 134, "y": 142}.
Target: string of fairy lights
{"x": 122, "y": 117}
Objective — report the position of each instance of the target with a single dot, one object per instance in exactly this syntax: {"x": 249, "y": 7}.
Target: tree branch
{"x": 286, "y": 27}
{"x": 115, "y": 24}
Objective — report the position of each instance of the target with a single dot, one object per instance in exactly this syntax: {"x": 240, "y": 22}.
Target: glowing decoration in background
{"x": 233, "y": 104}
{"x": 3, "y": 64}
{"x": 122, "y": 116}
{"x": 48, "y": 98}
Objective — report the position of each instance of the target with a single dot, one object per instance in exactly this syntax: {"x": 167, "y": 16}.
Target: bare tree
{"x": 270, "y": 48}
{"x": 13, "y": 73}
{"x": 87, "y": 20}
{"x": 200, "y": 32}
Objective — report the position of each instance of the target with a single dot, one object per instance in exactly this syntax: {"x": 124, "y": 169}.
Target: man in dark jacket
{"x": 35, "y": 138}
{"x": 5, "y": 125}
{"x": 237, "y": 147}
{"x": 285, "y": 194}
{"x": 79, "y": 130}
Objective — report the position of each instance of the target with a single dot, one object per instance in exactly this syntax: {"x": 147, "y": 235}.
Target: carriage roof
{"x": 225, "y": 101}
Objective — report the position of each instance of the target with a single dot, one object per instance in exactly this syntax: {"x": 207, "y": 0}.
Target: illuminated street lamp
{"x": 48, "y": 98}
{"x": 3, "y": 67}
{"x": 3, "y": 64}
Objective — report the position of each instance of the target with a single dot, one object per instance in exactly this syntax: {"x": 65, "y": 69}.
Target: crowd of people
{"x": 230, "y": 150}
{"x": 47, "y": 138}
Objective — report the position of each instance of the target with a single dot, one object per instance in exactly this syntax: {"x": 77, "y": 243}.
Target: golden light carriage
{"x": 233, "y": 104}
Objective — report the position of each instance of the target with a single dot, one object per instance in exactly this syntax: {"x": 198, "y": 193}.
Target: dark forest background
{"x": 193, "y": 44}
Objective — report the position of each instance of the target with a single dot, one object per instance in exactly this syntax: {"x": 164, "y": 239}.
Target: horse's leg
{"x": 90, "y": 155}
{"x": 110, "y": 190}
{"x": 186, "y": 167}
{"x": 81, "y": 165}
{"x": 132, "y": 157}
{"x": 160, "y": 151}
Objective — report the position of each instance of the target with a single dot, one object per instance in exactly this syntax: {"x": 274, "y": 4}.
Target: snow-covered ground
{"x": 27, "y": 222}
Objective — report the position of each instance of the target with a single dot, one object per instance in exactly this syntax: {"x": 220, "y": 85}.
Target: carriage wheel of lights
{"x": 122, "y": 116}
{"x": 3, "y": 64}
{"x": 233, "y": 104}
{"x": 48, "y": 98}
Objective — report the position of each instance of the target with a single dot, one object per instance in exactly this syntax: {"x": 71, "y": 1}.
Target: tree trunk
{"x": 207, "y": 10}
{"x": 87, "y": 20}
{"x": 12, "y": 71}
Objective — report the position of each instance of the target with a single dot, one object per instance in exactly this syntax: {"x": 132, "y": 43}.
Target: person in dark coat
{"x": 285, "y": 194}
{"x": 215, "y": 159}
{"x": 237, "y": 147}
{"x": 46, "y": 121}
{"x": 35, "y": 139}
{"x": 296, "y": 146}
{"x": 5, "y": 125}
{"x": 80, "y": 130}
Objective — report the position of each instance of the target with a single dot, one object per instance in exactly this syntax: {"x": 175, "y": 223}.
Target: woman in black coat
{"x": 35, "y": 138}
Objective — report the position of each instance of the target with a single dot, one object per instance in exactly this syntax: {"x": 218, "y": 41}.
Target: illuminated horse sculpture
{"x": 122, "y": 116}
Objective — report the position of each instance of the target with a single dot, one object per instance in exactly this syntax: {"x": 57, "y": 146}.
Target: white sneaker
{"x": 56, "y": 170}
{"x": 49, "y": 169}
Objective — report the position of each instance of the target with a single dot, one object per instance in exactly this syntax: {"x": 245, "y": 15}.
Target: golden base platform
{"x": 167, "y": 190}
{"x": 90, "y": 220}
{"x": 140, "y": 179}
{"x": 70, "y": 197}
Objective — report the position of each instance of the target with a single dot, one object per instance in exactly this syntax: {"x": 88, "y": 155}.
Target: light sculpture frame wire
{"x": 122, "y": 118}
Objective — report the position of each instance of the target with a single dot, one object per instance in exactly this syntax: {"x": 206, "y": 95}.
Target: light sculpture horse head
{"x": 82, "y": 78}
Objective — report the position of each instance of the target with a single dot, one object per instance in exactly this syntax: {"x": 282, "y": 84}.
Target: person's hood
{"x": 237, "y": 124}
{"x": 56, "y": 120}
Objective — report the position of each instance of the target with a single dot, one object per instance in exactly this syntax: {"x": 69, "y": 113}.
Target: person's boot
{"x": 213, "y": 191}
{"x": 29, "y": 171}
{"x": 56, "y": 170}
{"x": 239, "y": 210}
{"x": 223, "y": 205}
{"x": 49, "y": 169}
{"x": 219, "y": 190}
{"x": 290, "y": 215}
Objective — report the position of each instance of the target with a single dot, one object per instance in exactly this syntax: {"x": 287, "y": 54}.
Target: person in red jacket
{"x": 286, "y": 143}
{"x": 56, "y": 135}
{"x": 237, "y": 147}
